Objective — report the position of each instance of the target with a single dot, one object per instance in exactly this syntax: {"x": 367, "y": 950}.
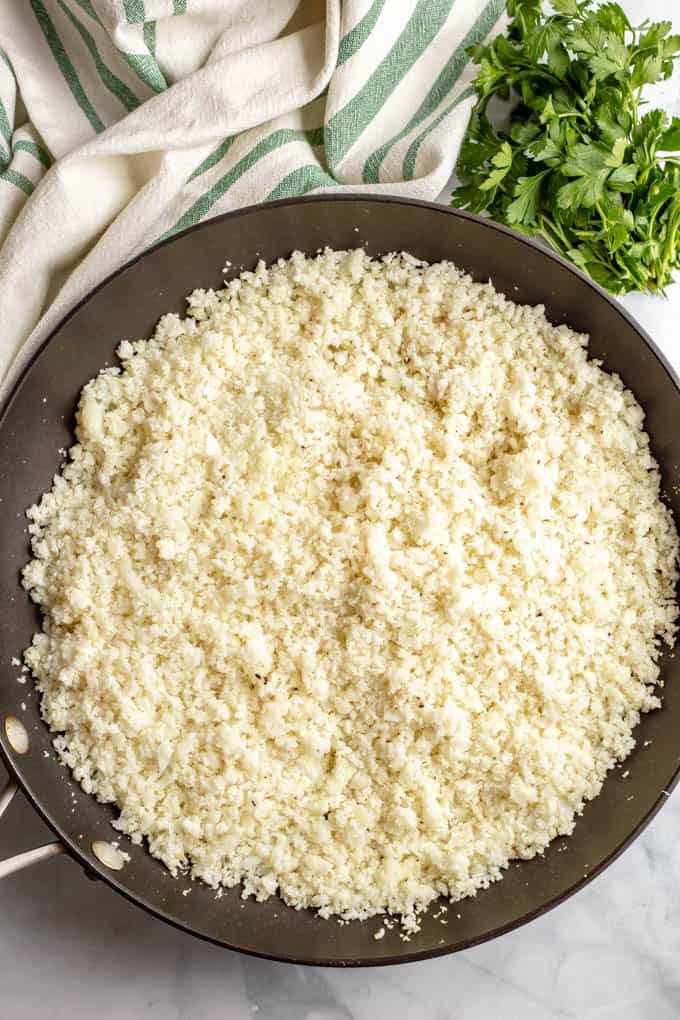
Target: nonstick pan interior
{"x": 38, "y": 422}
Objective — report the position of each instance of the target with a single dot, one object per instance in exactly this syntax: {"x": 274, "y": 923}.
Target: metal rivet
{"x": 108, "y": 855}
{"x": 16, "y": 734}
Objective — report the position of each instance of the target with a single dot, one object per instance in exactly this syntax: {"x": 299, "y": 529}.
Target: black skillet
{"x": 38, "y": 420}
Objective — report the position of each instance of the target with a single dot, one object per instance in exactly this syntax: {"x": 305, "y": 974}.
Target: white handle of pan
{"x": 29, "y": 857}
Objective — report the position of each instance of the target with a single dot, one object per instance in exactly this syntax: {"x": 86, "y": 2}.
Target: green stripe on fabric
{"x": 347, "y": 124}
{"x": 442, "y": 87}
{"x": 86, "y": 5}
{"x": 300, "y": 181}
{"x": 134, "y": 11}
{"x": 34, "y": 150}
{"x": 179, "y": 7}
{"x": 314, "y": 136}
{"x": 214, "y": 158}
{"x": 65, "y": 66}
{"x": 147, "y": 70}
{"x": 5, "y": 59}
{"x": 12, "y": 177}
{"x": 202, "y": 206}
{"x": 357, "y": 36}
{"x": 149, "y": 32}
{"x": 409, "y": 163}
{"x": 5, "y": 126}
{"x": 112, "y": 82}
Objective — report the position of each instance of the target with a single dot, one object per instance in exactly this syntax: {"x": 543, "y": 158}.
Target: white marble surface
{"x": 70, "y": 949}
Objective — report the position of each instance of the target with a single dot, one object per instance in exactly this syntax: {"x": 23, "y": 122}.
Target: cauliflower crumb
{"x": 354, "y": 585}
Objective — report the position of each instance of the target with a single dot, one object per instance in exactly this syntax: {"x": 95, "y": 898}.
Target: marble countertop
{"x": 71, "y": 949}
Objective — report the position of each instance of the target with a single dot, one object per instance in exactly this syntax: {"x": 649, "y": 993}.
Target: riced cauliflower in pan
{"x": 354, "y": 585}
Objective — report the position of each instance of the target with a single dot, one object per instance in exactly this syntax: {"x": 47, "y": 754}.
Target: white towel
{"x": 125, "y": 121}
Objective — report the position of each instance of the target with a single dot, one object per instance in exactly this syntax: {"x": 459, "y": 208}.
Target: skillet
{"x": 37, "y": 421}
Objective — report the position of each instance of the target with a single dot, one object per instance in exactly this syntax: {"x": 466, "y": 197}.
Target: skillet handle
{"x": 20, "y": 861}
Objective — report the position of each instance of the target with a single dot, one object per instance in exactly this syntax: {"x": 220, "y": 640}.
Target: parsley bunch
{"x": 579, "y": 162}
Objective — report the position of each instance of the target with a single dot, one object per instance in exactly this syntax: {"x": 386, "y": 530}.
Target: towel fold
{"x": 138, "y": 118}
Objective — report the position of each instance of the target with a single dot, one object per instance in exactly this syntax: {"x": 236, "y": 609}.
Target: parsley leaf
{"x": 501, "y": 163}
{"x": 578, "y": 162}
{"x": 584, "y": 192}
{"x": 612, "y": 60}
{"x": 565, "y": 6}
{"x": 585, "y": 159}
{"x": 623, "y": 178}
{"x": 670, "y": 139}
{"x": 611, "y": 17}
{"x": 524, "y": 208}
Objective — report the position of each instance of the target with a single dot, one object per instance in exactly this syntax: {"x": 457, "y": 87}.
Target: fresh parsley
{"x": 579, "y": 161}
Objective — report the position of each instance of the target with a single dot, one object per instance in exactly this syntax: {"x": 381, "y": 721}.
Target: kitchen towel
{"x": 124, "y": 121}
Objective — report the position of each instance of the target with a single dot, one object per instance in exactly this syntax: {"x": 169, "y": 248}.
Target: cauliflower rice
{"x": 354, "y": 585}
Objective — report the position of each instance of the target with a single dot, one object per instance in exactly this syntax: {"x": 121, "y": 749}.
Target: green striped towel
{"x": 125, "y": 121}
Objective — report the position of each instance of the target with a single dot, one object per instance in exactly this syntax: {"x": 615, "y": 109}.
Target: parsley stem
{"x": 553, "y": 234}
